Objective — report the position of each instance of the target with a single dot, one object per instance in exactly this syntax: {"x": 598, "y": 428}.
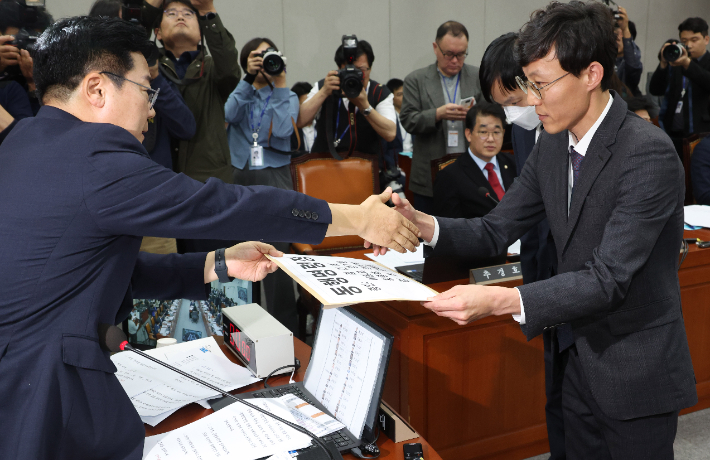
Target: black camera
{"x": 24, "y": 40}
{"x": 274, "y": 63}
{"x": 673, "y": 52}
{"x": 350, "y": 77}
{"x": 29, "y": 15}
{"x": 131, "y": 11}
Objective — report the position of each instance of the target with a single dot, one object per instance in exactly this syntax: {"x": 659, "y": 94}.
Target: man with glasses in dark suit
{"x": 611, "y": 186}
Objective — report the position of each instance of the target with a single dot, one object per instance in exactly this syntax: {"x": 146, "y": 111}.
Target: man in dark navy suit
{"x": 538, "y": 256}
{"x": 77, "y": 193}
{"x": 456, "y": 188}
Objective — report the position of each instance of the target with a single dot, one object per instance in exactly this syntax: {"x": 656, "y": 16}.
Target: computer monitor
{"x": 348, "y": 367}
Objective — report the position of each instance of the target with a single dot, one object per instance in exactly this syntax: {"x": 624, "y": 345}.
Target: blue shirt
{"x": 482, "y": 164}
{"x": 183, "y": 62}
{"x": 279, "y": 115}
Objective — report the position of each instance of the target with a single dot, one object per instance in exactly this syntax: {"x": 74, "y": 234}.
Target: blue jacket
{"x": 13, "y": 98}
{"x": 243, "y": 111}
{"x": 75, "y": 199}
{"x": 173, "y": 120}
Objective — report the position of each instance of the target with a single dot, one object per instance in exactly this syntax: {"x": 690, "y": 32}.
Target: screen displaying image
{"x": 183, "y": 319}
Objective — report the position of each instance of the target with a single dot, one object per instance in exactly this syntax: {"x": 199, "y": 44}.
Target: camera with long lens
{"x": 29, "y": 13}
{"x": 350, "y": 77}
{"x": 614, "y": 9}
{"x": 673, "y": 52}
{"x": 274, "y": 63}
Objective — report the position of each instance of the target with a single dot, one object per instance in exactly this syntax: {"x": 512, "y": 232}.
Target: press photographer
{"x": 262, "y": 114}
{"x": 359, "y": 109}
{"x": 683, "y": 77}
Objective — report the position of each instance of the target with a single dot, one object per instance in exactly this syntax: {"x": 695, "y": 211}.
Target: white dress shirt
{"x": 580, "y": 147}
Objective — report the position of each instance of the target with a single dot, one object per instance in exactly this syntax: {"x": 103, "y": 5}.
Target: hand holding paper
{"x": 466, "y": 303}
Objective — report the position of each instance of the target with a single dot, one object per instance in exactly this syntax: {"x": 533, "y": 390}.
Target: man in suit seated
{"x": 456, "y": 189}
{"x": 700, "y": 172}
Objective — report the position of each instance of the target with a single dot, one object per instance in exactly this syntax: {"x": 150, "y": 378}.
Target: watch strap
{"x": 367, "y": 111}
{"x": 220, "y": 266}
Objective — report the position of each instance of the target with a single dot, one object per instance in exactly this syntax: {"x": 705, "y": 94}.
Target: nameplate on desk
{"x": 496, "y": 273}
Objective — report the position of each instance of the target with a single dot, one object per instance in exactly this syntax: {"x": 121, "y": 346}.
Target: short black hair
{"x": 166, "y": 3}
{"x": 363, "y": 47}
{"x": 639, "y": 103}
{"x": 499, "y": 65}
{"x": 250, "y": 46}
{"x": 695, "y": 25}
{"x": 581, "y": 33}
{"x": 9, "y": 16}
{"x": 454, "y": 28}
{"x": 106, "y": 8}
{"x": 394, "y": 84}
{"x": 301, "y": 88}
{"x": 484, "y": 109}
{"x": 71, "y": 48}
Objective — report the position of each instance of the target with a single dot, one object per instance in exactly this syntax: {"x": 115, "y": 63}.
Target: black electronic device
{"x": 336, "y": 376}
{"x": 274, "y": 63}
{"x": 413, "y": 451}
{"x": 131, "y": 11}
{"x": 29, "y": 14}
{"x": 673, "y": 52}
{"x": 350, "y": 77}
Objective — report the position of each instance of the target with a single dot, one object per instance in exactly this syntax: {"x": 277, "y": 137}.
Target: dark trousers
{"x": 424, "y": 204}
{"x": 554, "y": 376}
{"x": 590, "y": 434}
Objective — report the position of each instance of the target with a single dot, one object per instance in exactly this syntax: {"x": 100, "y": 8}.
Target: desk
{"x": 192, "y": 412}
{"x": 478, "y": 391}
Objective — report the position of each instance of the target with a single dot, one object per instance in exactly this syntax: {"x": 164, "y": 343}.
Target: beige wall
{"x": 401, "y": 31}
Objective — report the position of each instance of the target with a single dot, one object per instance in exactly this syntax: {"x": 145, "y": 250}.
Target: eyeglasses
{"x": 536, "y": 90}
{"x": 152, "y": 93}
{"x": 449, "y": 55}
{"x": 485, "y": 134}
{"x": 173, "y": 13}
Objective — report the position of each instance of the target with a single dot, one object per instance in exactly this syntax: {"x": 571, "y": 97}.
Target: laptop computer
{"x": 345, "y": 377}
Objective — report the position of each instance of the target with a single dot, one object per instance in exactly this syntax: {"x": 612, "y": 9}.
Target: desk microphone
{"x": 113, "y": 339}
{"x": 483, "y": 191}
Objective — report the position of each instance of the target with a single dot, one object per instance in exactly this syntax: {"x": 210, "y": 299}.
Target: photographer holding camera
{"x": 262, "y": 113}
{"x": 628, "y": 59}
{"x": 683, "y": 77}
{"x": 361, "y": 115}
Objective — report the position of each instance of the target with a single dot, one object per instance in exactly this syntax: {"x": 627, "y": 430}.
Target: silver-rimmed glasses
{"x": 536, "y": 90}
{"x": 152, "y": 93}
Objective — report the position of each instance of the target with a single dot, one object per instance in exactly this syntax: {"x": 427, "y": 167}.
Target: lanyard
{"x": 337, "y": 123}
{"x": 685, "y": 85}
{"x": 256, "y": 130}
{"x": 458, "y": 79}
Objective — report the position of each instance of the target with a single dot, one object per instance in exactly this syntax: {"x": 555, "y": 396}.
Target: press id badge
{"x": 257, "y": 156}
{"x": 453, "y": 139}
{"x": 679, "y": 107}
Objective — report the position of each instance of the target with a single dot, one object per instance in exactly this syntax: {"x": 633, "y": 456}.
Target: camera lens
{"x": 273, "y": 64}
{"x": 672, "y": 52}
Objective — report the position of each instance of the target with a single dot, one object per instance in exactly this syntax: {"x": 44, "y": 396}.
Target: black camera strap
{"x": 330, "y": 130}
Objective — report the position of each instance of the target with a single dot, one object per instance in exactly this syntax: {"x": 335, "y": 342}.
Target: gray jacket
{"x": 423, "y": 94}
{"x": 617, "y": 252}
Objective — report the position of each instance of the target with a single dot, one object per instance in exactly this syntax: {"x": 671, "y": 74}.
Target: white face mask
{"x": 525, "y": 117}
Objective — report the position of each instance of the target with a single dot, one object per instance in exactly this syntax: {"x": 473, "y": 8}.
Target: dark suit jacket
{"x": 668, "y": 82}
{"x": 700, "y": 172}
{"x": 75, "y": 200}
{"x": 456, "y": 188}
{"x": 617, "y": 282}
{"x": 538, "y": 256}
{"x": 423, "y": 94}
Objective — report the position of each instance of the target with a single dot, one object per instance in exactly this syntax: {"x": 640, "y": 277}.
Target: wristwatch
{"x": 209, "y": 16}
{"x": 367, "y": 111}
{"x": 220, "y": 266}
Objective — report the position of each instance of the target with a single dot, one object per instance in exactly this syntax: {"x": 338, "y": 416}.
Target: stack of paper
{"x": 697, "y": 215}
{"x": 236, "y": 431}
{"x": 393, "y": 259}
{"x": 156, "y": 392}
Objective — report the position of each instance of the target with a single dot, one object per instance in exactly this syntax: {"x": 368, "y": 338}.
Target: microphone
{"x": 483, "y": 191}
{"x": 113, "y": 339}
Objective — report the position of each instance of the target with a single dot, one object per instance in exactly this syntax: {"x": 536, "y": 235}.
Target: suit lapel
{"x": 594, "y": 161}
{"x": 465, "y": 90}
{"x": 506, "y": 170}
{"x": 473, "y": 172}
{"x": 434, "y": 88}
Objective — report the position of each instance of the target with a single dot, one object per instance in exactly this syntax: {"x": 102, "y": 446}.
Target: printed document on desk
{"x": 338, "y": 281}
{"x": 237, "y": 431}
{"x": 697, "y": 215}
{"x": 156, "y": 391}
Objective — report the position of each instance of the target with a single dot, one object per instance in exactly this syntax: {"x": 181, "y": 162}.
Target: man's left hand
{"x": 682, "y": 61}
{"x": 361, "y": 101}
{"x": 247, "y": 261}
{"x": 466, "y": 303}
{"x": 204, "y": 6}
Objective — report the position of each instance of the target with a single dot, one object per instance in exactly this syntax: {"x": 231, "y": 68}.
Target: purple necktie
{"x": 576, "y": 159}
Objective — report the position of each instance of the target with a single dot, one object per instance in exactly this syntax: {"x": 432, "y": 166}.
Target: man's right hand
{"x": 331, "y": 83}
{"x": 386, "y": 227}
{"x": 451, "y": 112}
{"x": 424, "y": 222}
{"x": 9, "y": 55}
